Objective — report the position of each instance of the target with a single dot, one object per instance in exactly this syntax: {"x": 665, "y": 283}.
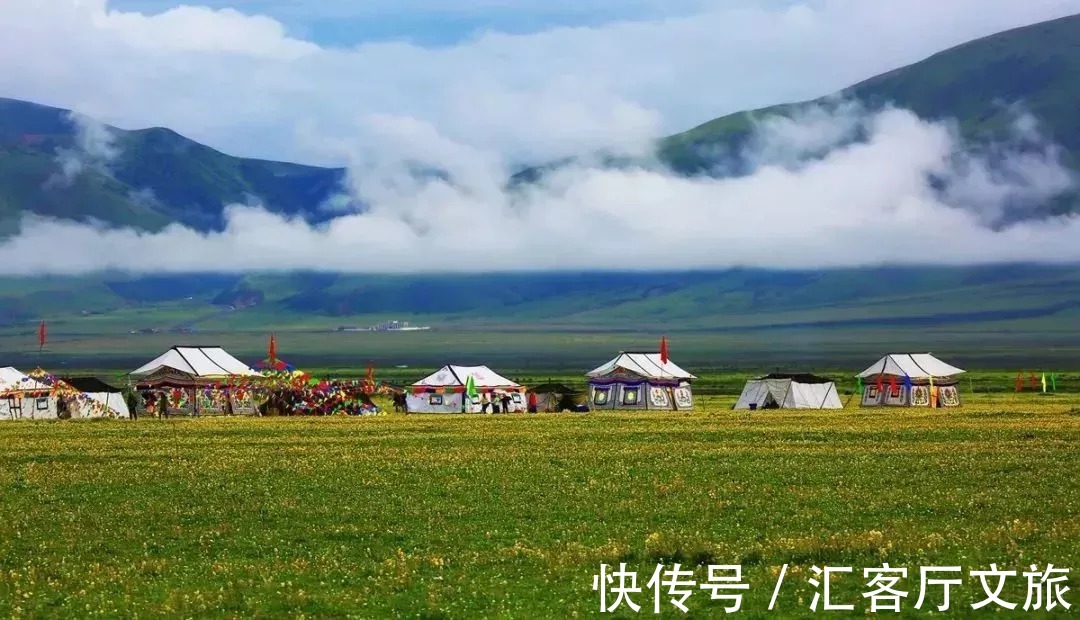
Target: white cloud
{"x": 240, "y": 83}
{"x": 476, "y": 109}
{"x": 195, "y": 29}
{"x": 95, "y": 148}
{"x": 867, "y": 202}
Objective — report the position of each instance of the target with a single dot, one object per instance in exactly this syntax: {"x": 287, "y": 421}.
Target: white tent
{"x": 644, "y": 365}
{"x": 783, "y": 391}
{"x": 95, "y": 399}
{"x": 637, "y": 380}
{"x": 22, "y": 397}
{"x": 102, "y": 405}
{"x": 910, "y": 380}
{"x": 197, "y": 381}
{"x": 914, "y": 365}
{"x": 443, "y": 391}
{"x": 206, "y": 362}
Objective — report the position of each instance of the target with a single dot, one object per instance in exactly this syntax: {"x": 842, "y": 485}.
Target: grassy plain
{"x": 510, "y": 516}
{"x": 999, "y": 347}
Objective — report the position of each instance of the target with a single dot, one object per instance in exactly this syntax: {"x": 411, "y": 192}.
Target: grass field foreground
{"x": 511, "y": 516}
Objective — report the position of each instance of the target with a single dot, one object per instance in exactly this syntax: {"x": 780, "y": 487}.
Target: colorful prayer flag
{"x": 470, "y": 387}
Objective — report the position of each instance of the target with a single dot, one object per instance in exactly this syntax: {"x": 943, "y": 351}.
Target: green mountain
{"x": 981, "y": 85}
{"x": 152, "y": 177}
{"x": 146, "y": 178}
{"x": 974, "y": 84}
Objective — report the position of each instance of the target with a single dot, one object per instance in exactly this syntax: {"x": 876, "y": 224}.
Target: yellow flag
{"x": 1044, "y": 382}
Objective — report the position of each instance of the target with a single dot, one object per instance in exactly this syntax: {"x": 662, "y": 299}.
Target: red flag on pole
{"x": 272, "y": 349}
{"x": 368, "y": 384}
{"x": 663, "y": 350}
{"x": 1019, "y": 382}
{"x": 41, "y": 335}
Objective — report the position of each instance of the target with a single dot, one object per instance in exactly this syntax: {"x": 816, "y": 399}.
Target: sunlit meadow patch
{"x": 480, "y": 516}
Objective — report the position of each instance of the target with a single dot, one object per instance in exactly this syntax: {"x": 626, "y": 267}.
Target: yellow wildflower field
{"x": 513, "y": 515}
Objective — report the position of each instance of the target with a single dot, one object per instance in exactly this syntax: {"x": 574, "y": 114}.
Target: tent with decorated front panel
{"x": 909, "y": 380}
{"x": 462, "y": 389}
{"x": 95, "y": 399}
{"x": 640, "y": 380}
{"x": 197, "y": 380}
{"x": 23, "y": 397}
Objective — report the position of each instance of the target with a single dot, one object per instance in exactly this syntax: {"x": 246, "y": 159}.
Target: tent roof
{"x": 797, "y": 377}
{"x": 90, "y": 384}
{"x": 647, "y": 365}
{"x": 13, "y": 379}
{"x": 197, "y": 361}
{"x": 458, "y": 375}
{"x": 914, "y": 365}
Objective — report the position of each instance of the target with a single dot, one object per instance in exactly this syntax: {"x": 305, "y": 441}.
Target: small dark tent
{"x": 554, "y": 397}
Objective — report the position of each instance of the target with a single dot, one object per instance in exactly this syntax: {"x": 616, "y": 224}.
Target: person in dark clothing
{"x": 505, "y": 403}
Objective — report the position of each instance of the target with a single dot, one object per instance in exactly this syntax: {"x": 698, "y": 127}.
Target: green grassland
{"x": 511, "y": 515}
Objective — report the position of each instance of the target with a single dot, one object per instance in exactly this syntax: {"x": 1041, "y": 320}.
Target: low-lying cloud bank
{"x": 908, "y": 192}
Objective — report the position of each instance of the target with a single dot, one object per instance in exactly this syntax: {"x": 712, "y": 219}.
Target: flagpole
{"x": 41, "y": 342}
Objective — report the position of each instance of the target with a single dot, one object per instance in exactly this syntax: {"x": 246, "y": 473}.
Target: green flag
{"x": 1053, "y": 382}
{"x": 858, "y": 385}
{"x": 470, "y": 387}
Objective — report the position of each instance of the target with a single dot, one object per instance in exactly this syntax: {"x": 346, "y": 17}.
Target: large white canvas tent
{"x": 910, "y": 380}
{"x": 789, "y": 391}
{"x": 95, "y": 399}
{"x": 443, "y": 391}
{"x": 197, "y": 380}
{"x": 22, "y": 397}
{"x": 199, "y": 362}
{"x": 637, "y": 380}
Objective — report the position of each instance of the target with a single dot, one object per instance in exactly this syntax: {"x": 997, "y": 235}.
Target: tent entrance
{"x": 769, "y": 402}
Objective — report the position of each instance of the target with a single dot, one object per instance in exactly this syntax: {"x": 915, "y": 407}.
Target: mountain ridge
{"x": 1034, "y": 65}
{"x": 149, "y": 178}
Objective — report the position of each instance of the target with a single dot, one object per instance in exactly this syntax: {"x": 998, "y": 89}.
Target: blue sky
{"x": 435, "y": 22}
